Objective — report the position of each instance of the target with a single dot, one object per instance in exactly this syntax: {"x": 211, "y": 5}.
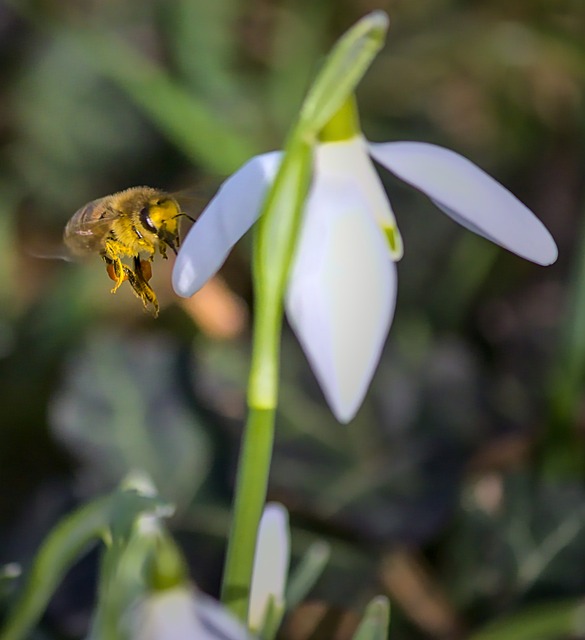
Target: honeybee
{"x": 134, "y": 224}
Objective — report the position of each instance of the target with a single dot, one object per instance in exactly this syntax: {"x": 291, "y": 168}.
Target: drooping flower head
{"x": 342, "y": 286}
{"x": 171, "y": 607}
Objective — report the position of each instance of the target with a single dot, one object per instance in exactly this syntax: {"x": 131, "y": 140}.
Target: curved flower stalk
{"x": 342, "y": 287}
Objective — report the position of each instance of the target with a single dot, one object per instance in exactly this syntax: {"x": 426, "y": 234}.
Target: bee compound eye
{"x": 146, "y": 220}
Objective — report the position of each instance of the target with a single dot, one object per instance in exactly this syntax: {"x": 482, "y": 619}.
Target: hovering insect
{"x": 135, "y": 224}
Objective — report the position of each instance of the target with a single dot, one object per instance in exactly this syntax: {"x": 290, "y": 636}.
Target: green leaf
{"x": 307, "y": 572}
{"x": 119, "y": 410}
{"x": 547, "y": 621}
{"x": 67, "y": 542}
{"x": 9, "y": 574}
{"x": 374, "y": 625}
{"x": 194, "y": 128}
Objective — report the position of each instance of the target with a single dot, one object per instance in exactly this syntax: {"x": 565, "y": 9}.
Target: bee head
{"x": 159, "y": 216}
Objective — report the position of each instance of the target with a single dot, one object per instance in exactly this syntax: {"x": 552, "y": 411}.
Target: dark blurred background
{"x": 458, "y": 490}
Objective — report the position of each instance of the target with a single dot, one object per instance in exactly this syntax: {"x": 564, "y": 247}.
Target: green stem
{"x": 264, "y": 375}
{"x": 252, "y": 480}
{"x": 276, "y": 236}
{"x": 273, "y": 248}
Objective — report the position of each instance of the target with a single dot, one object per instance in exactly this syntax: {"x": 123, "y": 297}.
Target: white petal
{"x": 271, "y": 562}
{"x": 217, "y": 623}
{"x": 349, "y": 160}
{"x": 228, "y": 216}
{"x": 341, "y": 295}
{"x": 470, "y": 196}
{"x": 182, "y": 613}
{"x": 166, "y": 615}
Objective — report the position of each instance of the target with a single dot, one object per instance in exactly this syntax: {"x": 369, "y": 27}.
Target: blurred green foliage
{"x": 469, "y": 451}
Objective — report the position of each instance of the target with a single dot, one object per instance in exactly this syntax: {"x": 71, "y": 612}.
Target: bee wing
{"x": 56, "y": 252}
{"x": 79, "y": 243}
{"x": 89, "y": 220}
{"x": 87, "y": 229}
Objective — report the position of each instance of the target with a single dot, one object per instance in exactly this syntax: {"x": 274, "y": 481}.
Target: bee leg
{"x": 138, "y": 281}
{"x": 117, "y": 271}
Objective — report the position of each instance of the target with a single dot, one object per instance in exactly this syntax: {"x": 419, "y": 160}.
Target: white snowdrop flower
{"x": 342, "y": 286}
{"x": 182, "y": 613}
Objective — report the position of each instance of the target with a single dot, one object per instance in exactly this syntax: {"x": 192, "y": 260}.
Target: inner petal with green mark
{"x": 394, "y": 240}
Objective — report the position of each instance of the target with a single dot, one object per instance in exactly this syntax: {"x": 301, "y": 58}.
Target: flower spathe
{"x": 342, "y": 286}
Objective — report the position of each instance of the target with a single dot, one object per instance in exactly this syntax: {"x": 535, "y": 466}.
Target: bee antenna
{"x": 186, "y": 216}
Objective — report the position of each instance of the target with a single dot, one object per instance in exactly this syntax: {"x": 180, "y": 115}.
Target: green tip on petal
{"x": 394, "y": 240}
{"x": 344, "y": 125}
